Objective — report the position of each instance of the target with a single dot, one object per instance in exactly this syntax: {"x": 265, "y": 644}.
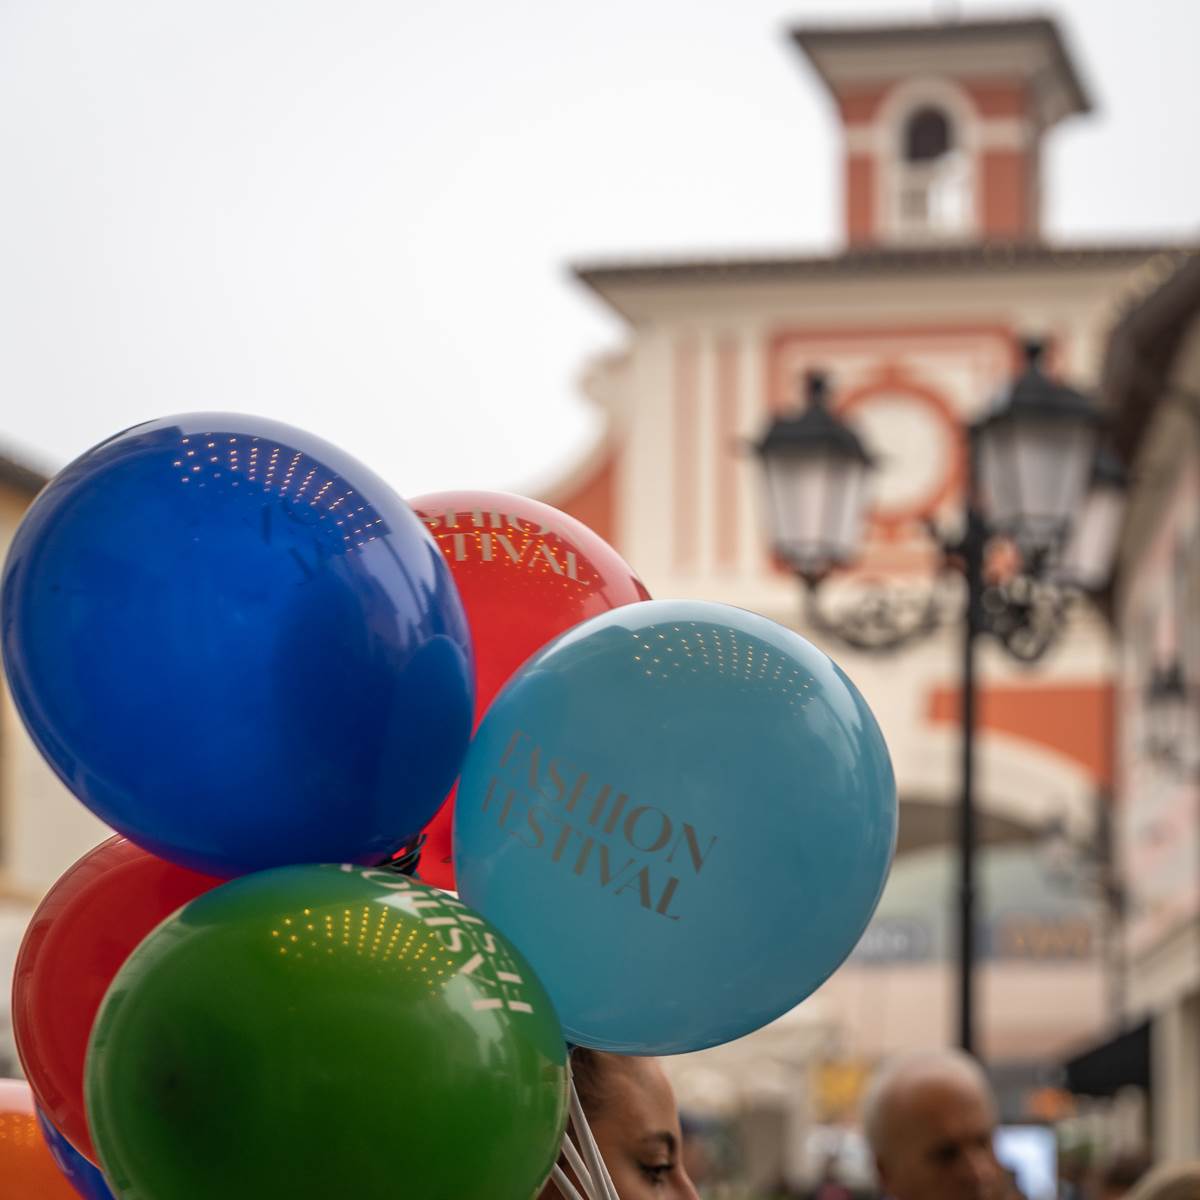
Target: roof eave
{"x": 1017, "y": 255}
{"x": 811, "y": 39}
{"x": 20, "y": 476}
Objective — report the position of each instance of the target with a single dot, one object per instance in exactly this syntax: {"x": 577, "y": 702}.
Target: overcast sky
{"x": 355, "y": 215}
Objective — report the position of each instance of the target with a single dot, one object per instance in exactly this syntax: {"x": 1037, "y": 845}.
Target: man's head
{"x": 930, "y": 1119}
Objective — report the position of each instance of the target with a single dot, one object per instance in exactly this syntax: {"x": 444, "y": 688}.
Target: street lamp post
{"x": 972, "y": 548}
{"x": 1035, "y": 477}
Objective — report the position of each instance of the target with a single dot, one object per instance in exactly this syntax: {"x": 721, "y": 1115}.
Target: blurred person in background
{"x": 697, "y": 1157}
{"x": 1119, "y": 1175}
{"x": 930, "y": 1119}
{"x": 1011, "y": 1187}
{"x": 1171, "y": 1181}
{"x": 830, "y": 1186}
{"x": 1074, "y": 1170}
{"x": 631, "y": 1109}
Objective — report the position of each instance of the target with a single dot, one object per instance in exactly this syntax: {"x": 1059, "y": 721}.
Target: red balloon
{"x": 526, "y": 573}
{"x": 82, "y": 932}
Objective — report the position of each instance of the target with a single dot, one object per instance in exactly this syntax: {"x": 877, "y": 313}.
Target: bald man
{"x": 930, "y": 1119}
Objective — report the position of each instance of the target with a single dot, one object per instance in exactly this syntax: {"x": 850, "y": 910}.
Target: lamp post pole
{"x": 974, "y": 538}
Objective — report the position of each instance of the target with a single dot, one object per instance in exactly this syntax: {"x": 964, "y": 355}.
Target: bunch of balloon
{"x": 526, "y": 573}
{"x": 685, "y": 815}
{"x": 243, "y": 651}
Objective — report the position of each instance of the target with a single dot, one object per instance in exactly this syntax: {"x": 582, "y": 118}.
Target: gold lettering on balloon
{"x": 501, "y": 538}
{"x": 489, "y": 965}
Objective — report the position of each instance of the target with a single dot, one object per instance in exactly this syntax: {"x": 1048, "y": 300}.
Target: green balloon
{"x": 325, "y": 1031}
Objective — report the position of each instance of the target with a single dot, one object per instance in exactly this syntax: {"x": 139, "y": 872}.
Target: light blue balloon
{"x": 684, "y": 815}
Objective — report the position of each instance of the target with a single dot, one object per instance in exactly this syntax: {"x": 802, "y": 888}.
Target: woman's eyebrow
{"x": 663, "y": 1136}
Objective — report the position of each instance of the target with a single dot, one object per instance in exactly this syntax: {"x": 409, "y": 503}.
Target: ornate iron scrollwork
{"x": 881, "y": 618}
{"x": 1026, "y": 614}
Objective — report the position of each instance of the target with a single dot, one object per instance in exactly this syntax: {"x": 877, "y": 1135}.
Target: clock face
{"x": 914, "y": 446}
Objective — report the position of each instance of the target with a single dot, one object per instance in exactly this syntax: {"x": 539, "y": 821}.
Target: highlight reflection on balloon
{"x": 326, "y": 1031}
{"x": 81, "y": 933}
{"x": 526, "y": 572}
{"x": 238, "y": 646}
{"x": 686, "y": 813}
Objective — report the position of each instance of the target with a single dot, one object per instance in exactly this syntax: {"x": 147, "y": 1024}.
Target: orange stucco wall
{"x": 997, "y": 97}
{"x": 1075, "y": 720}
{"x": 859, "y": 105}
{"x": 1006, "y": 194}
{"x": 592, "y": 499}
{"x": 860, "y": 198}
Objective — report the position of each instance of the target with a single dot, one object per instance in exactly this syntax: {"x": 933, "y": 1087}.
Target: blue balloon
{"x": 81, "y": 1174}
{"x": 684, "y": 815}
{"x": 238, "y": 646}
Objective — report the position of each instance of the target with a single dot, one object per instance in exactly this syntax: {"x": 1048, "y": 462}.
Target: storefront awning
{"x": 1103, "y": 1069}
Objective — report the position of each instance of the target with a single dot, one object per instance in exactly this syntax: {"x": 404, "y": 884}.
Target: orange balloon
{"x": 27, "y": 1169}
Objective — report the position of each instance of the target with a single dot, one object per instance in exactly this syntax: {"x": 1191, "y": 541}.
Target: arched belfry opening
{"x": 928, "y": 136}
{"x": 931, "y": 178}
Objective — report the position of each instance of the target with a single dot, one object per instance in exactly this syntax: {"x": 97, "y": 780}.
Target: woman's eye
{"x": 658, "y": 1172}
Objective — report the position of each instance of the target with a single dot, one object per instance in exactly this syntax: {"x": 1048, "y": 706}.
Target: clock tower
{"x": 942, "y": 125}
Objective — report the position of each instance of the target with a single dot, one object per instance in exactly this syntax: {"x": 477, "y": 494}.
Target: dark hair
{"x": 587, "y": 1069}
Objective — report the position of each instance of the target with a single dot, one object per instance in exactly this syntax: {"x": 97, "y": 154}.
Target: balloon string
{"x": 578, "y": 1166}
{"x": 407, "y": 859}
{"x": 601, "y": 1180}
{"x": 564, "y": 1185}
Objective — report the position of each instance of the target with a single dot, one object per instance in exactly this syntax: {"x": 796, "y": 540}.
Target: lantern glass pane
{"x": 1052, "y": 461}
{"x": 850, "y": 510}
{"x": 1088, "y": 560}
{"x": 997, "y": 474}
{"x": 816, "y": 502}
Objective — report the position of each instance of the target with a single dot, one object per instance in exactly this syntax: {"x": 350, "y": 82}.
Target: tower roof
{"x": 1031, "y": 48}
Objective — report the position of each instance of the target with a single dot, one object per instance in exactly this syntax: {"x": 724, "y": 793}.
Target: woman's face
{"x": 637, "y": 1130}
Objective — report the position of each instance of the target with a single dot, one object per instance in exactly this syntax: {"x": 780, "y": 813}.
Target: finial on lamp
{"x": 816, "y": 389}
{"x": 1034, "y": 349}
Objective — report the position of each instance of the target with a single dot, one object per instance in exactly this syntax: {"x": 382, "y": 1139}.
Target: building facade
{"x": 1153, "y": 381}
{"x": 43, "y": 828}
{"x": 917, "y": 322}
